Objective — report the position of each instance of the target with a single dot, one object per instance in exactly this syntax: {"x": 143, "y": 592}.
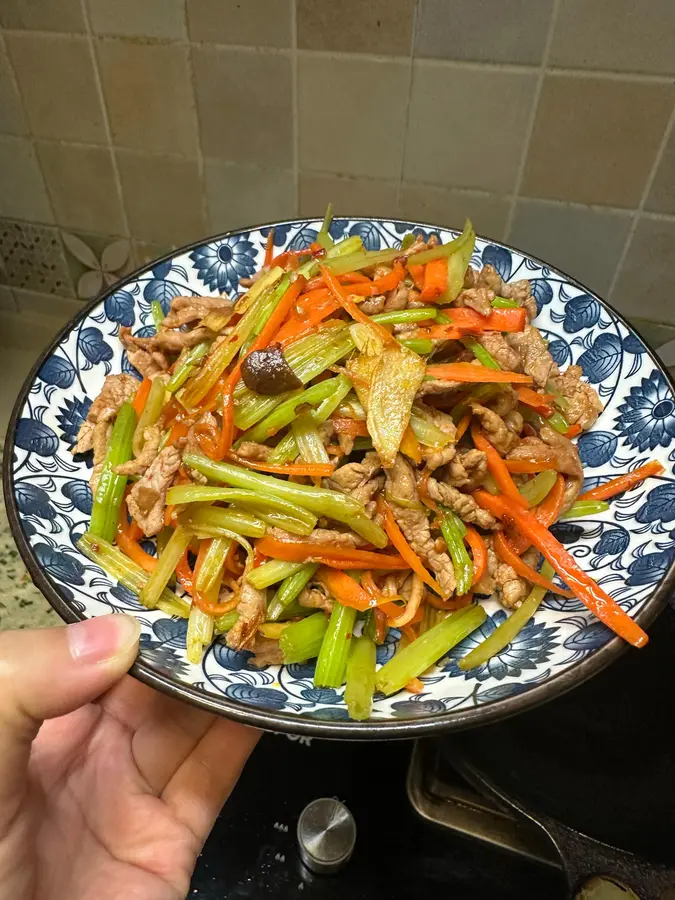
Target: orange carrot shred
{"x": 623, "y": 482}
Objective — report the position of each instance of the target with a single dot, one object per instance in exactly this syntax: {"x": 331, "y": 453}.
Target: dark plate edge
{"x": 273, "y": 720}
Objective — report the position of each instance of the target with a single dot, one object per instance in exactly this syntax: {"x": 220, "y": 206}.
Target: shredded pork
{"x": 252, "y": 607}
{"x": 147, "y": 498}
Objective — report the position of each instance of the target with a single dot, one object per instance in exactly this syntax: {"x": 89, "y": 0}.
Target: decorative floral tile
{"x": 34, "y": 258}
{"x": 95, "y": 262}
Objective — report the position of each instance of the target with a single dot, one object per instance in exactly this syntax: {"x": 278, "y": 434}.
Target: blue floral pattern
{"x": 629, "y": 548}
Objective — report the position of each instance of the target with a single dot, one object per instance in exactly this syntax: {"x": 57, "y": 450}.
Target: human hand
{"x": 115, "y": 794}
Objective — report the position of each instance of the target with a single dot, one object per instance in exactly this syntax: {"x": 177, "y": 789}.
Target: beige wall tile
{"x": 441, "y": 206}
{"x": 619, "y": 35}
{"x": 148, "y": 91}
{"x": 22, "y": 189}
{"x": 163, "y": 198}
{"x": 255, "y": 23}
{"x": 585, "y": 243}
{"x": 511, "y": 31}
{"x": 245, "y": 108}
{"x": 370, "y": 140}
{"x": 466, "y": 126}
{"x": 12, "y": 119}
{"x": 145, "y": 253}
{"x": 42, "y": 15}
{"x": 34, "y": 258}
{"x": 7, "y": 301}
{"x": 139, "y": 18}
{"x": 662, "y": 193}
{"x": 61, "y": 308}
{"x": 352, "y": 26}
{"x": 82, "y": 186}
{"x": 595, "y": 139}
{"x": 28, "y": 331}
{"x": 646, "y": 283}
{"x": 56, "y": 80}
{"x": 349, "y": 196}
{"x": 241, "y": 195}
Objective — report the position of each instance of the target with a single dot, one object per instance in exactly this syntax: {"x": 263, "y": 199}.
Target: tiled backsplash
{"x": 128, "y": 127}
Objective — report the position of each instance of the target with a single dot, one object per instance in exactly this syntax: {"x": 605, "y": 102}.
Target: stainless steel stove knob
{"x": 326, "y": 835}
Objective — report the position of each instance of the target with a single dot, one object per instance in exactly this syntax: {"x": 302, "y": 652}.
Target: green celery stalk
{"x": 307, "y": 357}
{"x": 458, "y": 263}
{"x": 272, "y": 571}
{"x": 360, "y": 678}
{"x": 427, "y": 432}
{"x": 183, "y": 494}
{"x": 482, "y": 393}
{"x": 282, "y": 520}
{"x": 404, "y": 316}
{"x": 217, "y": 522}
{"x": 285, "y": 451}
{"x": 186, "y": 364}
{"x": 428, "y": 649}
{"x": 166, "y": 565}
{"x": 199, "y": 634}
{"x": 290, "y": 589}
{"x": 105, "y": 512}
{"x": 408, "y": 240}
{"x": 210, "y": 573}
{"x": 323, "y": 502}
{"x": 443, "y": 250}
{"x": 451, "y": 529}
{"x": 267, "y": 308}
{"x": 503, "y": 303}
{"x": 225, "y": 622}
{"x": 361, "y": 260}
{"x": 418, "y": 345}
{"x": 332, "y": 661}
{"x": 349, "y": 245}
{"x": 586, "y": 508}
{"x": 323, "y": 237}
{"x": 537, "y": 488}
{"x": 308, "y": 439}
{"x": 481, "y": 354}
{"x": 157, "y": 313}
{"x": 285, "y": 413}
{"x": 558, "y": 422}
{"x": 503, "y": 634}
{"x": 129, "y": 574}
{"x": 303, "y": 640}
{"x": 151, "y": 412}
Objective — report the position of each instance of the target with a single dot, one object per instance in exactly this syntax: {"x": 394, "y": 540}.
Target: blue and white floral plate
{"x": 630, "y": 549}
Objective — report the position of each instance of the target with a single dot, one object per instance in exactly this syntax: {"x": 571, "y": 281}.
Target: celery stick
{"x": 427, "y": 432}
{"x": 360, "y": 678}
{"x": 443, "y": 250}
{"x": 218, "y": 522}
{"x": 283, "y": 520}
{"x": 503, "y": 634}
{"x": 323, "y": 237}
{"x": 303, "y": 640}
{"x": 110, "y": 491}
{"x": 272, "y": 571}
{"x": 199, "y": 634}
{"x": 151, "y": 412}
{"x": 451, "y": 529}
{"x": 352, "y": 244}
{"x": 226, "y": 621}
{"x": 428, "y": 649}
{"x": 403, "y": 316}
{"x": 196, "y": 493}
{"x": 129, "y": 574}
{"x": 186, "y": 363}
{"x": 323, "y": 502}
{"x": 210, "y": 573}
{"x": 418, "y": 345}
{"x": 352, "y": 262}
{"x": 558, "y": 422}
{"x": 157, "y": 313}
{"x": 586, "y": 508}
{"x": 285, "y": 413}
{"x": 289, "y": 589}
{"x": 537, "y": 488}
{"x": 332, "y": 662}
{"x": 502, "y": 303}
{"x": 309, "y": 440}
{"x": 285, "y": 451}
{"x": 481, "y": 354}
{"x": 166, "y": 565}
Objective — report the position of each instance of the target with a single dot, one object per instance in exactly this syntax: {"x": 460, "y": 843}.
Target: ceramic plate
{"x": 629, "y": 549}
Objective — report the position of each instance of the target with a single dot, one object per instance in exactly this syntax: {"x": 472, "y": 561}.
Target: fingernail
{"x": 102, "y": 638}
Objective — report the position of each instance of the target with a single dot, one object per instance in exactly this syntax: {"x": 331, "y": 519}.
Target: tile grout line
{"x": 520, "y": 175}
{"x": 295, "y": 105}
{"x": 406, "y": 125}
{"x": 106, "y": 120}
{"x": 201, "y": 167}
{"x": 637, "y": 215}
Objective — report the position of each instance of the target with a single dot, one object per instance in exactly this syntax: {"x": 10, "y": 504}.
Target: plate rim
{"x": 289, "y": 723}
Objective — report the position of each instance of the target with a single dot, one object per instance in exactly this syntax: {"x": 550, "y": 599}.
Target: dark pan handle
{"x": 588, "y": 863}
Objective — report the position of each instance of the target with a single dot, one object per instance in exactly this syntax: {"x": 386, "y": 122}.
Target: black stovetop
{"x": 252, "y": 849}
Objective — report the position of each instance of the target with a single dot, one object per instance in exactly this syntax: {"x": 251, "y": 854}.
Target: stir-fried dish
{"x": 361, "y": 441}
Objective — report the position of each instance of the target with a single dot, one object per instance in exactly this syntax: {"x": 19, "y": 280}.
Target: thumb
{"x": 51, "y": 672}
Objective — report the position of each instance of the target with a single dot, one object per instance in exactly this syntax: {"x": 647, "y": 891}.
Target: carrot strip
{"x": 133, "y": 549}
{"x": 467, "y": 321}
{"x": 141, "y": 396}
{"x": 321, "y": 470}
{"x": 478, "y": 551}
{"x": 435, "y": 280}
{"x": 508, "y": 554}
{"x": 397, "y": 538}
{"x": 547, "y": 513}
{"x": 382, "y": 285}
{"x": 452, "y": 603}
{"x": 184, "y": 574}
{"x": 269, "y": 249}
{"x": 623, "y": 482}
{"x": 214, "y": 609}
{"x": 462, "y": 425}
{"x": 591, "y": 594}
{"x": 232, "y": 561}
{"x": 496, "y": 467}
{"x": 344, "y": 588}
{"x": 410, "y": 633}
{"x": 352, "y": 427}
{"x": 348, "y": 278}
{"x": 405, "y": 616}
{"x": 352, "y": 308}
{"x": 573, "y": 431}
{"x": 410, "y": 446}
{"x": 529, "y": 466}
{"x": 417, "y": 275}
{"x": 336, "y": 557}
{"x": 415, "y": 686}
{"x": 464, "y": 371}
{"x": 540, "y": 402}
